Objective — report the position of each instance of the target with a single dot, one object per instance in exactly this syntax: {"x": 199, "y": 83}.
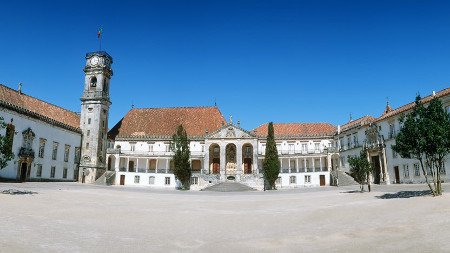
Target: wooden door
{"x": 397, "y": 175}
{"x": 322, "y": 180}
{"x": 23, "y": 172}
{"x": 122, "y": 179}
{"x": 216, "y": 166}
{"x": 247, "y": 165}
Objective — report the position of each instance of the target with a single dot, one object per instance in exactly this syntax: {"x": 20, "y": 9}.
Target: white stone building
{"x": 46, "y": 138}
{"x": 376, "y": 136}
{"x": 220, "y": 151}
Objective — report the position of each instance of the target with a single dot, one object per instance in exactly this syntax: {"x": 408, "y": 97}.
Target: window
{"x": 394, "y": 154}
{"x": 52, "y": 172}
{"x": 416, "y": 170}
{"x": 405, "y": 170}
{"x": 308, "y": 179}
{"x": 278, "y": 181}
{"x": 167, "y": 181}
{"x": 248, "y": 152}
{"x": 341, "y": 143}
{"x": 39, "y": 170}
{"x": 55, "y": 150}
{"x": 150, "y": 147}
{"x": 304, "y": 147}
{"x": 194, "y": 180}
{"x": 89, "y": 121}
{"x": 87, "y": 145}
{"x": 317, "y": 147}
{"x": 65, "y": 172}
{"x": 349, "y": 141}
{"x": 151, "y": 180}
{"x": 216, "y": 152}
{"x": 293, "y": 180}
{"x": 355, "y": 140}
{"x": 291, "y": 148}
{"x": 66, "y": 153}
{"x": 75, "y": 172}
{"x": 41, "y": 147}
{"x": 88, "y": 133}
{"x": 132, "y": 146}
{"x": 77, "y": 155}
{"x": 136, "y": 179}
{"x": 391, "y": 130}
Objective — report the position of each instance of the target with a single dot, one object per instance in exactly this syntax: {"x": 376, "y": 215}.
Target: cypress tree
{"x": 6, "y": 141}
{"x": 271, "y": 164}
{"x": 180, "y": 148}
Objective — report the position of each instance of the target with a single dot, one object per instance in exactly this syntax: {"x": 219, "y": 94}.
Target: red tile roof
{"x": 38, "y": 108}
{"x": 357, "y": 122}
{"x": 296, "y": 129}
{"x": 163, "y": 122}
{"x": 409, "y": 106}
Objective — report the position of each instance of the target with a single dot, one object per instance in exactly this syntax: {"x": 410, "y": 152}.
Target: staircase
{"x": 107, "y": 178}
{"x": 228, "y": 187}
{"x": 342, "y": 178}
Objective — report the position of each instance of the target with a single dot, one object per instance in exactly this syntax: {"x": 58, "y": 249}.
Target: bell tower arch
{"x": 95, "y": 105}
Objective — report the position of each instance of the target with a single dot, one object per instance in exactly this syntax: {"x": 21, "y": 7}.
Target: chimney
{"x": 339, "y": 129}
{"x": 20, "y": 88}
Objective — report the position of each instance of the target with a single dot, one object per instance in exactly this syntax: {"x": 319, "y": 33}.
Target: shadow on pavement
{"x": 17, "y": 192}
{"x": 404, "y": 194}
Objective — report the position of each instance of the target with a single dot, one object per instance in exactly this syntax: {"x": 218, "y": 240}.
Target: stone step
{"x": 228, "y": 187}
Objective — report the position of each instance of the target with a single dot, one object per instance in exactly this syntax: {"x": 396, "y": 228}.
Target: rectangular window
{"x": 394, "y": 154}
{"x": 291, "y": 148}
{"x": 317, "y": 147}
{"x": 41, "y": 147}
{"x": 405, "y": 170}
{"x": 416, "y": 170}
{"x": 65, "y": 173}
{"x": 293, "y": 180}
{"x": 55, "y": 150}
{"x": 77, "y": 155}
{"x": 355, "y": 140}
{"x": 151, "y": 180}
{"x": 136, "y": 179}
{"x": 87, "y": 145}
{"x": 391, "y": 131}
{"x": 167, "y": 181}
{"x": 88, "y": 133}
{"x": 150, "y": 147}
{"x": 132, "y": 146}
{"x": 52, "y": 172}
{"x": 194, "y": 180}
{"x": 304, "y": 147}
{"x": 39, "y": 170}
{"x": 66, "y": 153}
{"x": 308, "y": 179}
{"x": 349, "y": 142}
{"x": 89, "y": 121}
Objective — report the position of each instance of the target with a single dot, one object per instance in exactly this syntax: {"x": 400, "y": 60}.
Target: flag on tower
{"x": 99, "y": 33}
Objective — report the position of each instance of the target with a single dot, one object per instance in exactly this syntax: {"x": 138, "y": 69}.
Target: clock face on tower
{"x": 94, "y": 60}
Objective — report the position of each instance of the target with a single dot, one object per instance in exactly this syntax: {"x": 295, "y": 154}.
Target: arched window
{"x": 93, "y": 81}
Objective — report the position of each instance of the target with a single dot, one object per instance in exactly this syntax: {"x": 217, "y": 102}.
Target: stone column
{"x": 137, "y": 165}
{"x": 386, "y": 172}
{"x": 167, "y": 165}
{"x": 128, "y": 164}
{"x": 320, "y": 161}
{"x": 222, "y": 162}
{"x": 329, "y": 162}
{"x": 289, "y": 161}
{"x": 117, "y": 164}
{"x": 239, "y": 162}
{"x": 304, "y": 164}
{"x": 255, "y": 167}
{"x": 281, "y": 165}
{"x": 313, "y": 164}
{"x": 296, "y": 165}
{"x": 206, "y": 161}
{"x": 156, "y": 165}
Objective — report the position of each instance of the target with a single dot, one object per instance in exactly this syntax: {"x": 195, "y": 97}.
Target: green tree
{"x": 6, "y": 152}
{"x": 271, "y": 164}
{"x": 180, "y": 148}
{"x": 425, "y": 136}
{"x": 360, "y": 169}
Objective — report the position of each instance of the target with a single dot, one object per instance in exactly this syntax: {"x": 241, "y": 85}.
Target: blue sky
{"x": 281, "y": 61}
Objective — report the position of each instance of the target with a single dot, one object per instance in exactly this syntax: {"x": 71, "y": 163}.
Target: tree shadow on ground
{"x": 355, "y": 191}
{"x": 405, "y": 194}
{"x": 17, "y": 192}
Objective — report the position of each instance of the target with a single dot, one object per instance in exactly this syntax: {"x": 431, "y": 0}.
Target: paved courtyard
{"x": 70, "y": 217}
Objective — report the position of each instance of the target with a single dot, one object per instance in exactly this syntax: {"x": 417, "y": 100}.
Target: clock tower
{"x": 94, "y": 115}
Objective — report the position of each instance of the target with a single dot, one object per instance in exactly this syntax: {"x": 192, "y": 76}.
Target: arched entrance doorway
{"x": 111, "y": 162}
{"x": 214, "y": 159}
{"x": 247, "y": 158}
{"x": 230, "y": 155}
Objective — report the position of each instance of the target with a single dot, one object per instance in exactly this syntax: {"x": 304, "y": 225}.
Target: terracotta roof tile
{"x": 164, "y": 122}
{"x": 442, "y": 93}
{"x": 296, "y": 129}
{"x": 39, "y": 107}
{"x": 358, "y": 122}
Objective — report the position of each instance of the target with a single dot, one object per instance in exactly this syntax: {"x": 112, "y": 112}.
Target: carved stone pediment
{"x": 230, "y": 132}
